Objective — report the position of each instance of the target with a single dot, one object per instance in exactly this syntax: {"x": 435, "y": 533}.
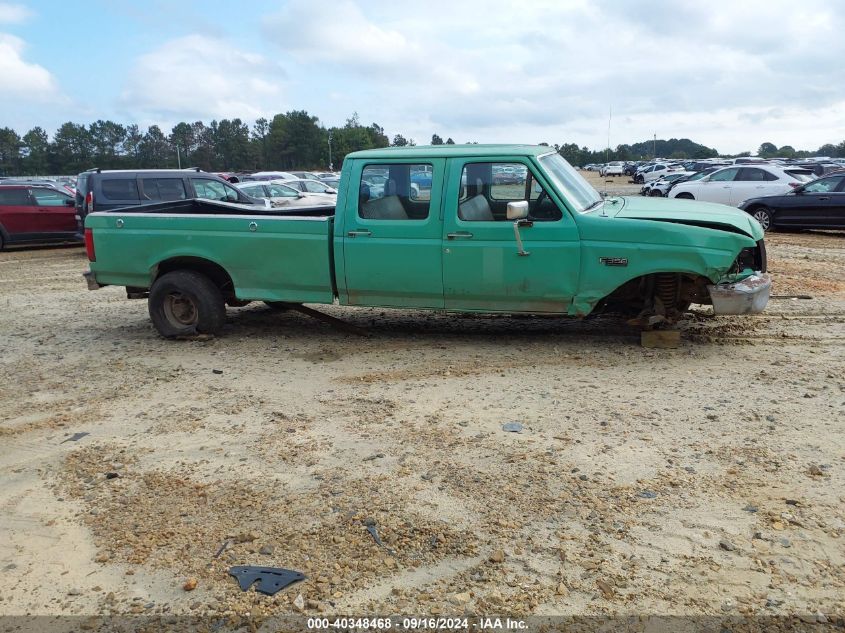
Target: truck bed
{"x": 269, "y": 254}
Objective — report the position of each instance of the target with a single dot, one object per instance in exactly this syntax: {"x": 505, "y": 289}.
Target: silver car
{"x": 308, "y": 185}
{"x": 282, "y": 195}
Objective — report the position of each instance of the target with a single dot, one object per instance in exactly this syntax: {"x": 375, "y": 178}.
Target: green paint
{"x": 413, "y": 263}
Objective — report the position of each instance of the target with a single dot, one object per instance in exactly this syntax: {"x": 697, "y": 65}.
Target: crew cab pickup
{"x": 546, "y": 243}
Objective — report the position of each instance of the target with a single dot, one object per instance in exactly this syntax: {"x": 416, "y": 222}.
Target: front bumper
{"x": 91, "y": 280}
{"x": 748, "y": 296}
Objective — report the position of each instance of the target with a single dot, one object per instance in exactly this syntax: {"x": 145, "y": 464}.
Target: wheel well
{"x": 215, "y": 272}
{"x": 685, "y": 195}
{"x": 638, "y": 293}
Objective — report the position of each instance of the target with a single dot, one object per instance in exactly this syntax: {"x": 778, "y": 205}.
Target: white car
{"x": 268, "y": 175}
{"x": 282, "y": 195}
{"x": 733, "y": 185}
{"x": 613, "y": 168}
{"x": 660, "y": 186}
{"x": 652, "y": 172}
{"x": 310, "y": 186}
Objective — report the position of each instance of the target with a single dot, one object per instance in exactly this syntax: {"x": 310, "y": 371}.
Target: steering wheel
{"x": 538, "y": 203}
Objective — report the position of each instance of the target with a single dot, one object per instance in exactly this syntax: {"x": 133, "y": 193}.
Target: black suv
{"x": 102, "y": 190}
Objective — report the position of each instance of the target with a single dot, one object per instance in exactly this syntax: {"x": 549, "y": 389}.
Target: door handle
{"x": 459, "y": 235}
{"x": 361, "y": 232}
{"x": 824, "y": 198}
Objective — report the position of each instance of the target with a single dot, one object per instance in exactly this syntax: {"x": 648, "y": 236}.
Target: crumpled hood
{"x": 686, "y": 212}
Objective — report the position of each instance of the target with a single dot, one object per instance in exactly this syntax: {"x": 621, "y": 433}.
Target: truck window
{"x": 486, "y": 189}
{"x": 395, "y": 192}
{"x": 163, "y": 188}
{"x": 120, "y": 189}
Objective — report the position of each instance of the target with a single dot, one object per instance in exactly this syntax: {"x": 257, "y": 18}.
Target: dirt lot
{"x": 702, "y": 480}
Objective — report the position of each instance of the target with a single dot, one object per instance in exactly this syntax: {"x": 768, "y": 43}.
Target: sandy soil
{"x": 702, "y": 480}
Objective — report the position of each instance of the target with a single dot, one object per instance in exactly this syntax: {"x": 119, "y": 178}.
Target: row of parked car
{"x": 49, "y": 211}
{"x": 776, "y": 195}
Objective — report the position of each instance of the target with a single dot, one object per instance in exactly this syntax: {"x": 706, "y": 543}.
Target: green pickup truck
{"x": 497, "y": 228}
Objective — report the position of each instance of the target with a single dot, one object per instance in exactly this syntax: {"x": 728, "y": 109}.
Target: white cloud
{"x": 21, "y": 79}
{"x": 13, "y": 13}
{"x": 495, "y": 71}
{"x": 199, "y": 77}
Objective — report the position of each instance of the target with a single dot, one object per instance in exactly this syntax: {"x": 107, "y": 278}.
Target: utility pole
{"x": 178, "y": 158}
{"x": 331, "y": 166}
{"x": 654, "y": 146}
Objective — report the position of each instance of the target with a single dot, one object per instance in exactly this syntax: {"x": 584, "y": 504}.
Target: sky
{"x": 726, "y": 73}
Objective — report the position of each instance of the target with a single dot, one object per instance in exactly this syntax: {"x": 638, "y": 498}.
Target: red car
{"x": 36, "y": 213}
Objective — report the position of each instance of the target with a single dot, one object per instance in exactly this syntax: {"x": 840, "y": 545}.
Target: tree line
{"x": 293, "y": 140}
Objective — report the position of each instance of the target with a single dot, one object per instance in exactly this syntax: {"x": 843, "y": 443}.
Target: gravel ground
{"x": 702, "y": 480}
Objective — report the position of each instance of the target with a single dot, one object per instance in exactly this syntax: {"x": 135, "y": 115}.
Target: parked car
{"x": 733, "y": 185}
{"x": 310, "y": 186}
{"x": 268, "y": 175}
{"x": 613, "y": 168}
{"x": 659, "y": 187}
{"x": 281, "y": 194}
{"x": 652, "y": 172}
{"x": 819, "y": 204}
{"x": 33, "y": 213}
{"x": 100, "y": 190}
{"x": 305, "y": 175}
{"x": 592, "y": 167}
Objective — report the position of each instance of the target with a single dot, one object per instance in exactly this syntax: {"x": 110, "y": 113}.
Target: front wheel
{"x": 764, "y": 216}
{"x": 185, "y": 303}
{"x": 655, "y": 193}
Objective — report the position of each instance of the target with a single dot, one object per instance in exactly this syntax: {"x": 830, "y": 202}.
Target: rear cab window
{"x": 394, "y": 191}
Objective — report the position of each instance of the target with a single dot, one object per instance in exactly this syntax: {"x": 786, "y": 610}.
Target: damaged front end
{"x": 747, "y": 288}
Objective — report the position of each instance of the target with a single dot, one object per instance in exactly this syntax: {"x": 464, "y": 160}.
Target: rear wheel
{"x": 764, "y": 216}
{"x": 685, "y": 196}
{"x": 184, "y": 303}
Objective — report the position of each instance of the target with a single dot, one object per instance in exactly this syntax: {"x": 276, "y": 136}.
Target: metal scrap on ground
{"x": 270, "y": 580}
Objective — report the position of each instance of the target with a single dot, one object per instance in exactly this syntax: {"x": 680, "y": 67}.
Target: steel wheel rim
{"x": 763, "y": 218}
{"x": 180, "y": 309}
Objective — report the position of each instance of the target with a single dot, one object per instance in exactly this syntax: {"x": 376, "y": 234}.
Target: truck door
{"x": 392, "y": 232}
{"x": 483, "y": 268}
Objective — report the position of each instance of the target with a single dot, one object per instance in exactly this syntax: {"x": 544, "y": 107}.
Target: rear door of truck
{"x": 391, "y": 236}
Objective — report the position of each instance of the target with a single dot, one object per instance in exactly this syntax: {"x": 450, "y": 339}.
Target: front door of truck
{"x": 391, "y": 234}
{"x": 482, "y": 265}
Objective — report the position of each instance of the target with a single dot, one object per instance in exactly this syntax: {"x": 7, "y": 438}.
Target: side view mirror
{"x": 267, "y": 203}
{"x": 518, "y": 210}
{"x": 70, "y": 202}
{"x": 331, "y": 190}
{"x": 300, "y": 195}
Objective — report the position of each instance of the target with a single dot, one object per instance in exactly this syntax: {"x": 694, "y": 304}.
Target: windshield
{"x": 569, "y": 182}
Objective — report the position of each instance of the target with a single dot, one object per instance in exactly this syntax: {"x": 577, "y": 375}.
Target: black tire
{"x": 277, "y": 306}
{"x": 685, "y": 196}
{"x": 186, "y": 303}
{"x": 655, "y": 193}
{"x": 765, "y": 217}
